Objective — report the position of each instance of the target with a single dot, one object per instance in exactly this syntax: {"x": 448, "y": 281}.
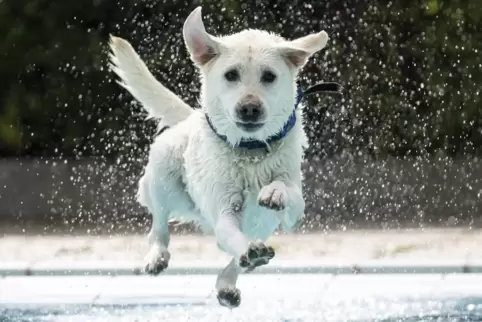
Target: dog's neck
{"x": 251, "y": 144}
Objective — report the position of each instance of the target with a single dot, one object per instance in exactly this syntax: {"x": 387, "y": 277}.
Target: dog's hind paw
{"x": 229, "y": 297}
{"x": 156, "y": 262}
{"x": 155, "y": 268}
{"x": 258, "y": 254}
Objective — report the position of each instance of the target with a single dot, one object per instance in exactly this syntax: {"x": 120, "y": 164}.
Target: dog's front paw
{"x": 258, "y": 254}
{"x": 229, "y": 297}
{"x": 273, "y": 196}
{"x": 156, "y": 261}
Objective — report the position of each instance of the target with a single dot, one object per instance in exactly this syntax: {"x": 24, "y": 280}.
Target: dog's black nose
{"x": 250, "y": 112}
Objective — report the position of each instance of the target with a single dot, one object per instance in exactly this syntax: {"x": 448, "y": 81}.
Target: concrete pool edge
{"x": 132, "y": 268}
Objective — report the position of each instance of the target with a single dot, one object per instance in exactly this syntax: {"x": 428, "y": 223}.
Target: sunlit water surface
{"x": 270, "y": 297}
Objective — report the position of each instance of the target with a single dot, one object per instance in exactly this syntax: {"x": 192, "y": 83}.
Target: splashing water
{"x": 399, "y": 148}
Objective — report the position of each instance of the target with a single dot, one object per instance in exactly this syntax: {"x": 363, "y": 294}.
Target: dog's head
{"x": 248, "y": 78}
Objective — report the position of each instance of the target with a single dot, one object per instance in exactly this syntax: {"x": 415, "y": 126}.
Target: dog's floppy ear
{"x": 297, "y": 51}
{"x": 202, "y": 46}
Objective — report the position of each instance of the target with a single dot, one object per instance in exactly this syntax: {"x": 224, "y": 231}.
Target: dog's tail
{"x": 158, "y": 101}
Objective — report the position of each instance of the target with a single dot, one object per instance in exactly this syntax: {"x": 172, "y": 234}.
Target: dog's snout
{"x": 250, "y": 112}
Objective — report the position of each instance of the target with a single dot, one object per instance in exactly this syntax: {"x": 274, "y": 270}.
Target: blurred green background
{"x": 412, "y": 70}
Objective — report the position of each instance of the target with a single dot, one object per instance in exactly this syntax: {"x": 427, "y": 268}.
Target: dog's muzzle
{"x": 250, "y": 116}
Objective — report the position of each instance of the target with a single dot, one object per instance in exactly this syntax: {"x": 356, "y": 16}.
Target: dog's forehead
{"x": 252, "y": 46}
{"x": 252, "y": 40}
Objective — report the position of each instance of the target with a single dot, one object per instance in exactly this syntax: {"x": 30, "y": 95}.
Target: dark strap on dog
{"x": 328, "y": 87}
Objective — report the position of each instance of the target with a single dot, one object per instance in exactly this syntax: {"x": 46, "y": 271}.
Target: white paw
{"x": 156, "y": 260}
{"x": 273, "y": 196}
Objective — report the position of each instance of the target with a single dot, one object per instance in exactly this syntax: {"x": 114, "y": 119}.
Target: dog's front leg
{"x": 285, "y": 196}
{"x": 228, "y": 294}
{"x": 231, "y": 239}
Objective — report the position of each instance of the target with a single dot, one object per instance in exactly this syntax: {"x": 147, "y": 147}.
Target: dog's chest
{"x": 213, "y": 178}
{"x": 253, "y": 168}
{"x": 223, "y": 171}
{"x": 254, "y": 172}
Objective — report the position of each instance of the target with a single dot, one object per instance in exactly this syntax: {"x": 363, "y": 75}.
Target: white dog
{"x": 234, "y": 166}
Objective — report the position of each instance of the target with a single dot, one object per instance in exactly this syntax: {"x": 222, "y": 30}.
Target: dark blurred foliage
{"x": 412, "y": 72}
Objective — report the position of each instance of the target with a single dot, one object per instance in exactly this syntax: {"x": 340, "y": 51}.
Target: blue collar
{"x": 256, "y": 144}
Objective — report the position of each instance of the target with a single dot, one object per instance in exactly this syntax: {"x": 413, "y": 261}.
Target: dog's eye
{"x": 268, "y": 77}
{"x": 232, "y": 75}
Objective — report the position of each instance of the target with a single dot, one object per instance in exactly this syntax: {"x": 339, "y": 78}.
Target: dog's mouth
{"x": 249, "y": 127}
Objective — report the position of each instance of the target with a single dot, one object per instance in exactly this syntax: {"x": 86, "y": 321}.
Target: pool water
{"x": 269, "y": 297}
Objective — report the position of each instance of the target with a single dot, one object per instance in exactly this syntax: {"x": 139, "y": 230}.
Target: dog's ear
{"x": 202, "y": 46}
{"x": 297, "y": 51}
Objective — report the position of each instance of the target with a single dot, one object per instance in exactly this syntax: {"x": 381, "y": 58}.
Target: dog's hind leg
{"x": 228, "y": 294}
{"x": 151, "y": 192}
{"x": 162, "y": 191}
